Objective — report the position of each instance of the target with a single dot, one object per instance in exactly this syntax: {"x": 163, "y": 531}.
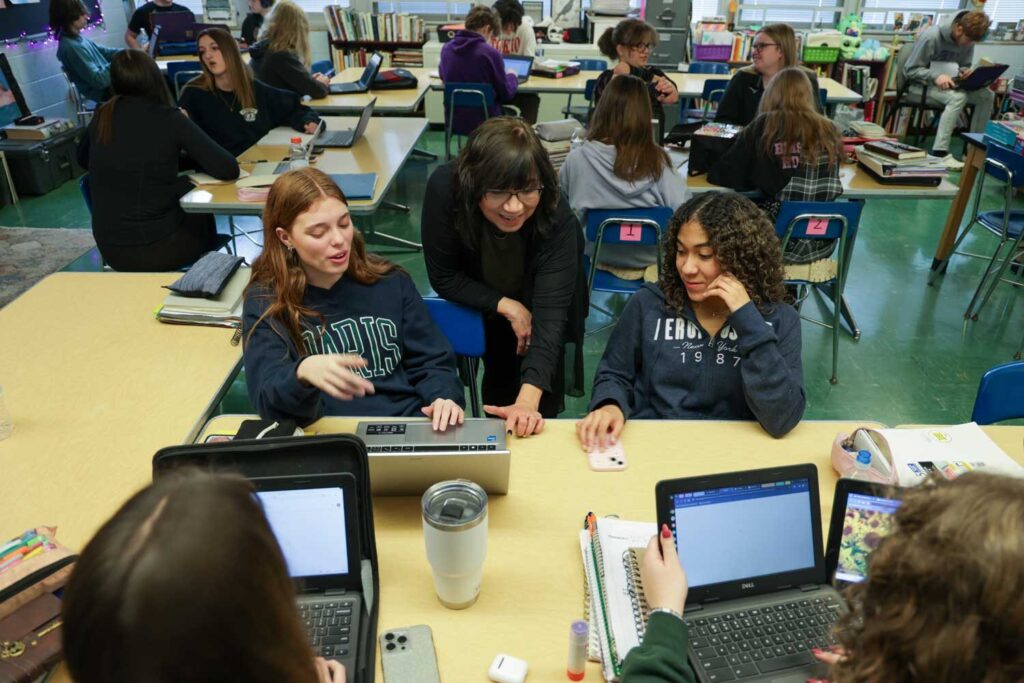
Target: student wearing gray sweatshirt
{"x": 937, "y": 51}
{"x": 714, "y": 339}
{"x": 620, "y": 166}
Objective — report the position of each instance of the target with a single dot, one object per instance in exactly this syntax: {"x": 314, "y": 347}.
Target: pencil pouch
{"x": 31, "y": 565}
{"x": 846, "y": 447}
{"x": 208, "y": 276}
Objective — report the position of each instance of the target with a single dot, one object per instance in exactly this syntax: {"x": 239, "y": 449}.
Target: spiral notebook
{"x": 614, "y": 607}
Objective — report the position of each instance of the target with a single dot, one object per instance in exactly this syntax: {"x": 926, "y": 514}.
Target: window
{"x": 803, "y": 13}
{"x": 317, "y": 6}
{"x": 700, "y": 9}
{"x": 195, "y": 6}
{"x": 886, "y": 13}
{"x": 427, "y": 9}
{"x": 1005, "y": 11}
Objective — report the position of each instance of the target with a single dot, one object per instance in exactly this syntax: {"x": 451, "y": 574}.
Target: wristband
{"x": 665, "y": 610}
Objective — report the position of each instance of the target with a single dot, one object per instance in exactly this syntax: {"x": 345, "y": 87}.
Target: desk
{"x": 974, "y": 159}
{"x": 96, "y": 386}
{"x": 388, "y": 101}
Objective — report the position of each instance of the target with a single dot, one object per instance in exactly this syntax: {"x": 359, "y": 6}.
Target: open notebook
{"x": 614, "y": 603}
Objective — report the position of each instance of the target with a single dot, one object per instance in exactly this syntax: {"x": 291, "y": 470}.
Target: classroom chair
{"x": 464, "y": 328}
{"x": 464, "y": 96}
{"x": 83, "y": 108}
{"x": 180, "y": 73}
{"x": 580, "y": 112}
{"x": 83, "y": 186}
{"x": 823, "y": 99}
{"x": 322, "y": 67}
{"x": 1006, "y": 167}
{"x": 711, "y": 94}
{"x": 1000, "y": 394}
{"x": 627, "y": 227}
{"x": 720, "y": 68}
{"x": 823, "y": 220}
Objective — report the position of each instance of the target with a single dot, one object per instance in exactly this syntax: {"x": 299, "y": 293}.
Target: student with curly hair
{"x": 714, "y": 339}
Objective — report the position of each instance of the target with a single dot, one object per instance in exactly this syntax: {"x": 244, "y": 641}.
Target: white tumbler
{"x": 455, "y": 532}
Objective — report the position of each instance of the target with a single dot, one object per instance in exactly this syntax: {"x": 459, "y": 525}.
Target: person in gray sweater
{"x": 620, "y": 166}
{"x": 938, "y": 54}
{"x": 714, "y": 339}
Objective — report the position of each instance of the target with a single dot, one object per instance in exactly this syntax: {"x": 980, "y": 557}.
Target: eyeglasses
{"x": 758, "y": 47}
{"x": 642, "y": 47}
{"x": 527, "y": 196}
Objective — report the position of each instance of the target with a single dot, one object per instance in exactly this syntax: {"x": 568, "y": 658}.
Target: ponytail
{"x": 605, "y": 44}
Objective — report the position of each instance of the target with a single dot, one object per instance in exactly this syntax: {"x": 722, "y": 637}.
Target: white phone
{"x": 611, "y": 459}
{"x": 407, "y": 655}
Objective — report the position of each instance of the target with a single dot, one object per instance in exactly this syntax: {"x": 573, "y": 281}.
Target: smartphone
{"x": 611, "y": 459}
{"x": 407, "y": 655}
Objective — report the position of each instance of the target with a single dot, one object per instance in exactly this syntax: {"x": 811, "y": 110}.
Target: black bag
{"x": 394, "y": 79}
{"x": 302, "y": 455}
{"x": 705, "y": 150}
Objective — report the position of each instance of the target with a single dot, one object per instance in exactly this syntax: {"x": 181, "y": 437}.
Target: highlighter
{"x": 579, "y": 636}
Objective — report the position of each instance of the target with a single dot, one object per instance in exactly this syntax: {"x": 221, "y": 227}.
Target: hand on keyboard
{"x": 329, "y": 671}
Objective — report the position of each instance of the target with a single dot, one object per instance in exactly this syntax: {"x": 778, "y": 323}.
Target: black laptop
{"x": 981, "y": 76}
{"x": 520, "y": 65}
{"x": 759, "y": 597}
{"x": 348, "y": 137}
{"x": 364, "y": 82}
{"x": 861, "y": 517}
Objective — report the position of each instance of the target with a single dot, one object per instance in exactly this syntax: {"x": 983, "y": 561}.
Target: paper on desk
{"x": 950, "y": 451}
{"x": 207, "y": 179}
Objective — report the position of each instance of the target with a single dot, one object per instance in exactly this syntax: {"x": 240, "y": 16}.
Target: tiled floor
{"x": 917, "y": 361}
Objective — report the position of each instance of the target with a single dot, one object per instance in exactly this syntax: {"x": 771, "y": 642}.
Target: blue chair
{"x": 83, "y": 186}
{"x": 823, "y": 99}
{"x": 1000, "y": 394}
{"x": 465, "y": 96}
{"x": 804, "y": 220}
{"x": 464, "y": 328}
{"x": 711, "y": 94}
{"x": 591, "y": 64}
{"x": 634, "y": 227}
{"x": 720, "y": 68}
{"x": 324, "y": 66}
{"x": 1006, "y": 167}
{"x": 579, "y": 112}
{"x": 180, "y": 73}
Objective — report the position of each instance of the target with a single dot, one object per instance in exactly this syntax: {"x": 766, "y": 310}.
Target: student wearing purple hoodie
{"x": 469, "y": 58}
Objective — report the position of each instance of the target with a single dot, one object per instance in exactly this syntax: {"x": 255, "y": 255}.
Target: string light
{"x": 47, "y": 37}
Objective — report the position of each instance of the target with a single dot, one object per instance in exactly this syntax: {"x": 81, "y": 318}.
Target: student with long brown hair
{"x": 330, "y": 329}
{"x": 133, "y": 152}
{"x": 235, "y": 109}
{"x": 789, "y": 152}
{"x": 282, "y": 58}
{"x": 774, "y": 49}
{"x": 620, "y": 166}
{"x": 186, "y": 582}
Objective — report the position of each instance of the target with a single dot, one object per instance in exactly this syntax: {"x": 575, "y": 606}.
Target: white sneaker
{"x": 952, "y": 163}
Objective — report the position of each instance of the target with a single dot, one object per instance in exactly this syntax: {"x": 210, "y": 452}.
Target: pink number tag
{"x": 817, "y": 226}
{"x": 629, "y": 232}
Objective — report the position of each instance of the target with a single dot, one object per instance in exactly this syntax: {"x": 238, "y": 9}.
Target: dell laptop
{"x": 862, "y": 514}
{"x": 759, "y": 600}
{"x": 407, "y": 458}
{"x": 348, "y": 137}
{"x": 364, "y": 82}
{"x": 519, "y": 65}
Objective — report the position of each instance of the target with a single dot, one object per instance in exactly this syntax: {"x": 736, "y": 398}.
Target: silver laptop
{"x": 345, "y": 138}
{"x": 407, "y": 458}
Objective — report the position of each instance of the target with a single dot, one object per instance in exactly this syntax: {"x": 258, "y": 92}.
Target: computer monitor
{"x": 12, "y": 102}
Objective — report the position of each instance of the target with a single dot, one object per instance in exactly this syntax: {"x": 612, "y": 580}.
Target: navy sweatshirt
{"x": 660, "y": 364}
{"x": 409, "y": 361}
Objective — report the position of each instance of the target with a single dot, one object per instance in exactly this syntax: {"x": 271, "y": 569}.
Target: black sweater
{"x": 134, "y": 178}
{"x": 743, "y": 96}
{"x": 284, "y": 70}
{"x": 553, "y": 286}
{"x": 217, "y": 112}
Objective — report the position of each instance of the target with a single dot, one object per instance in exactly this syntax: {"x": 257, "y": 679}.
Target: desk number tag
{"x": 817, "y": 226}
{"x": 629, "y": 232}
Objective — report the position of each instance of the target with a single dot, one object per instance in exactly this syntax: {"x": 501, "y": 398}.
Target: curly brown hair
{"x": 944, "y": 600}
{"x": 744, "y": 243}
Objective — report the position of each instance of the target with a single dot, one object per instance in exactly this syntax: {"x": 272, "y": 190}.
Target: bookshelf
{"x": 354, "y": 36}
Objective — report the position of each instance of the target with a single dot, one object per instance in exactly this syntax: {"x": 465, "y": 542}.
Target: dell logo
{"x": 747, "y": 586}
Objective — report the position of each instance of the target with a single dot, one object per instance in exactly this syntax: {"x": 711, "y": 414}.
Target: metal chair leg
{"x": 984, "y": 277}
{"x": 998, "y": 277}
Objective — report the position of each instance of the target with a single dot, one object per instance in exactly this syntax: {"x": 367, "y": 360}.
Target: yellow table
{"x": 388, "y": 101}
{"x": 95, "y": 386}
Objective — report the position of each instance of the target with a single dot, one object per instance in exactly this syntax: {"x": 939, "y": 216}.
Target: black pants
{"x": 196, "y": 236}
{"x": 502, "y": 369}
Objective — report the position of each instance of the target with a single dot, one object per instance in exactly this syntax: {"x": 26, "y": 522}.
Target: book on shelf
{"x": 895, "y": 150}
{"x": 345, "y": 25}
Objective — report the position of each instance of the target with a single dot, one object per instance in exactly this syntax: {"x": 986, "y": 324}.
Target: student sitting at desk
{"x": 517, "y": 38}
{"x": 631, "y": 42}
{"x": 789, "y": 152}
{"x": 86, "y": 63}
{"x": 620, "y": 166}
{"x": 160, "y": 595}
{"x": 253, "y": 22}
{"x": 132, "y": 151}
{"x": 142, "y": 19}
{"x": 773, "y": 50}
{"x": 713, "y": 339}
{"x": 235, "y": 109}
{"x": 936, "y": 49}
{"x": 332, "y": 330}
{"x": 282, "y": 58}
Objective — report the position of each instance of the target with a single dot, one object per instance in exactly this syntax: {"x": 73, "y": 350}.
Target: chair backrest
{"x": 823, "y": 98}
{"x": 83, "y": 186}
{"x": 321, "y": 67}
{"x": 588, "y": 90}
{"x": 173, "y": 68}
{"x": 714, "y": 89}
{"x": 818, "y": 220}
{"x": 1004, "y": 165}
{"x": 463, "y": 326}
{"x": 628, "y": 226}
{"x": 467, "y": 96}
{"x": 709, "y": 68}
{"x": 591, "y": 64}
{"x": 1000, "y": 394}
{"x": 902, "y": 55}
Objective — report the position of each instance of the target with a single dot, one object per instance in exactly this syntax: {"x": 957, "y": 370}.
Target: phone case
{"x": 611, "y": 459}
{"x": 407, "y": 655}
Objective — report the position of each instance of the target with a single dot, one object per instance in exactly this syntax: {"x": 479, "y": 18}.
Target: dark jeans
{"x": 196, "y": 236}
{"x": 502, "y": 369}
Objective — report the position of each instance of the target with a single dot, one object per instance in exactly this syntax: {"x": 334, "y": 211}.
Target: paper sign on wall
{"x": 817, "y": 226}
{"x": 630, "y": 232}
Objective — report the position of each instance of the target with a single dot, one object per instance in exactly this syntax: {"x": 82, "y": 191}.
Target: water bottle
{"x": 6, "y": 426}
{"x": 861, "y": 466}
{"x": 576, "y": 140}
{"x": 297, "y": 154}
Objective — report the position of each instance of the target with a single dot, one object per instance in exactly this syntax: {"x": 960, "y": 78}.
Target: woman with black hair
{"x": 86, "y": 63}
{"x": 133, "y": 152}
{"x": 499, "y": 237}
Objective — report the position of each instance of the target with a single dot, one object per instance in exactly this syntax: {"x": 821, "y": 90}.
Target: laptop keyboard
{"x": 752, "y": 642}
{"x": 334, "y": 138}
{"x": 329, "y": 625}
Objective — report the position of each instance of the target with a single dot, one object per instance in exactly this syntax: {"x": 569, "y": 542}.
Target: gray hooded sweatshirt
{"x": 589, "y": 182}
{"x": 935, "y": 44}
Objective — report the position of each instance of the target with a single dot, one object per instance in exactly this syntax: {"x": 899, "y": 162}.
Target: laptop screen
{"x": 740, "y": 532}
{"x": 309, "y": 525}
{"x": 867, "y": 521}
{"x": 521, "y": 67}
{"x": 370, "y": 72}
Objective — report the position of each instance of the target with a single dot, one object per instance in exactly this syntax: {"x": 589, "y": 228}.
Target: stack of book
{"x": 1009, "y": 133}
{"x": 892, "y": 162}
{"x": 557, "y": 151}
{"x": 554, "y": 68}
{"x": 344, "y": 25}
{"x": 407, "y": 58}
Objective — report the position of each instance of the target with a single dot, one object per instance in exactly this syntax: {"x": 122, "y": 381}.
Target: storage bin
{"x": 712, "y": 53}
{"x": 821, "y": 55}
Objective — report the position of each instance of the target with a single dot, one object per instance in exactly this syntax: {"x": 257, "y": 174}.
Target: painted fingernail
{"x": 665, "y": 533}
{"x": 816, "y": 651}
